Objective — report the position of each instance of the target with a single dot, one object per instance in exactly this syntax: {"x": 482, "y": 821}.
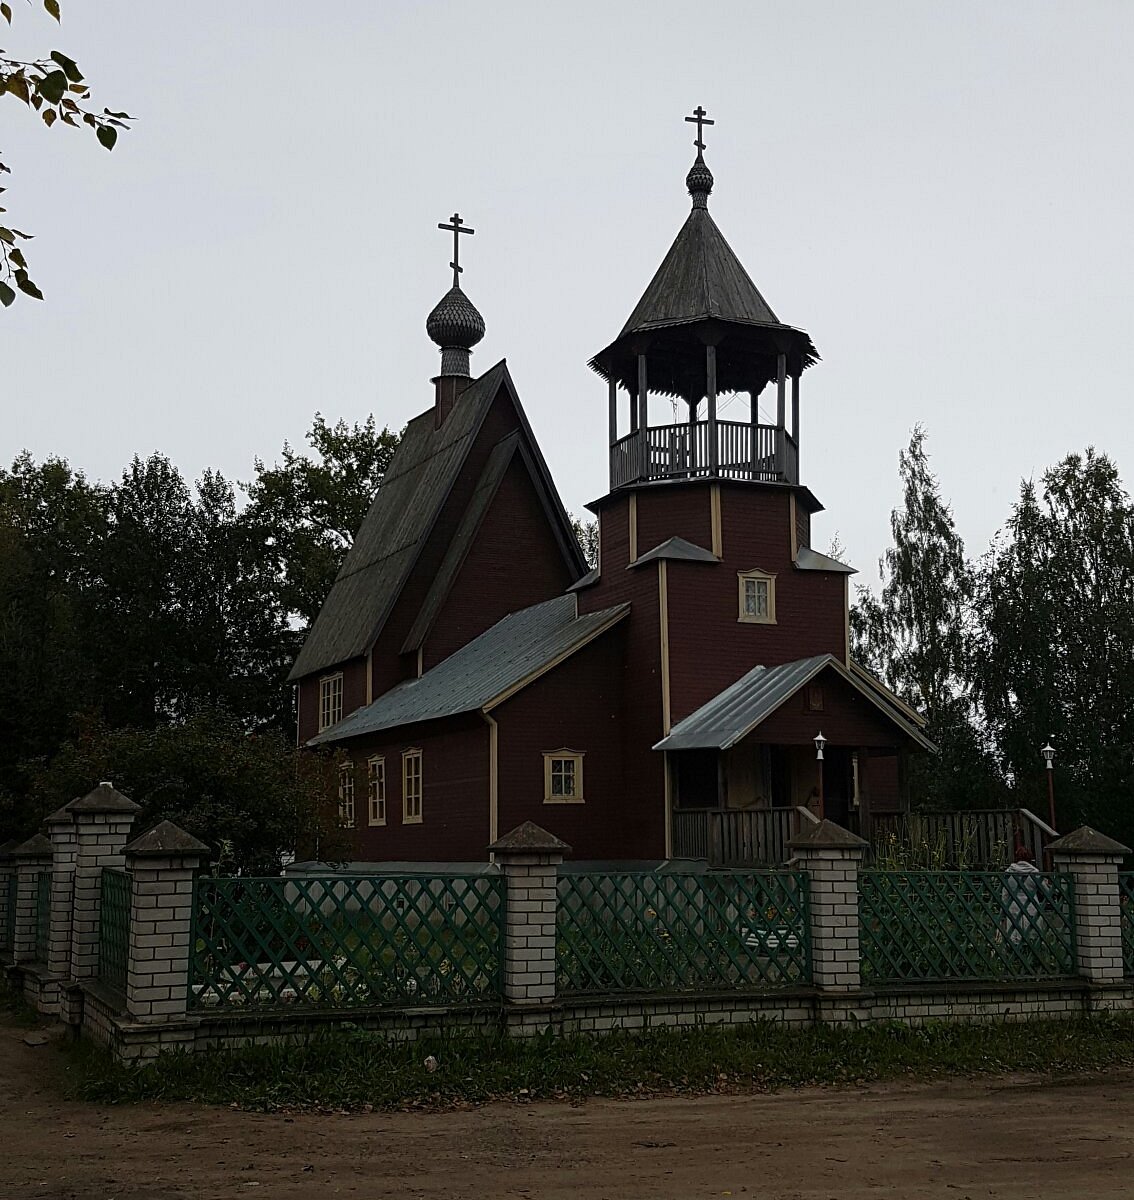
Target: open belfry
{"x": 687, "y": 696}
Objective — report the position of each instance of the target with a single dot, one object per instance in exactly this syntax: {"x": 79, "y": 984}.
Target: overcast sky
{"x": 941, "y": 194}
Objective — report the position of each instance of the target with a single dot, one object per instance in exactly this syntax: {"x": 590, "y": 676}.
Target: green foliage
{"x": 352, "y": 1069}
{"x": 55, "y": 88}
{"x": 587, "y": 535}
{"x": 306, "y": 511}
{"x": 916, "y": 636}
{"x": 253, "y": 793}
{"x": 1056, "y": 654}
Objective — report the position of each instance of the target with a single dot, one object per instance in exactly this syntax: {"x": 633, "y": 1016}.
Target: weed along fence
{"x": 136, "y": 947}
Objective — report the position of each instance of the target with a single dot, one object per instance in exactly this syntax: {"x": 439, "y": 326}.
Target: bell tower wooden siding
{"x": 512, "y": 563}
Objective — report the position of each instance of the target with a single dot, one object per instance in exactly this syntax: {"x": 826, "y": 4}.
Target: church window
{"x": 757, "y": 597}
{"x": 411, "y": 787}
{"x": 346, "y": 795}
{"x": 376, "y": 790}
{"x": 562, "y": 777}
{"x": 330, "y": 700}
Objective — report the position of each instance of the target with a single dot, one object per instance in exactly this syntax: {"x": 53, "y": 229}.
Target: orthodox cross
{"x": 458, "y": 227}
{"x": 700, "y": 117}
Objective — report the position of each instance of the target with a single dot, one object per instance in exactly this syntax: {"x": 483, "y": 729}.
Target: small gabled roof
{"x": 807, "y": 559}
{"x": 733, "y": 713}
{"x": 484, "y": 673}
{"x": 676, "y": 549}
{"x": 401, "y": 518}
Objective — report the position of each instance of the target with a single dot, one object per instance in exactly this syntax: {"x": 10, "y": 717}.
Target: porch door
{"x": 838, "y": 786}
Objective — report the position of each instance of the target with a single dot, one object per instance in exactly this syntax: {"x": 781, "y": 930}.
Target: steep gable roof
{"x": 401, "y": 518}
{"x": 486, "y": 671}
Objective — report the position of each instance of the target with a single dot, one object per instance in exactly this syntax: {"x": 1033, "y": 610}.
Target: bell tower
{"x": 701, "y": 331}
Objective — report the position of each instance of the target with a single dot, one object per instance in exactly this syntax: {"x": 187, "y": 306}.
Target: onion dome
{"x": 456, "y": 326}
{"x": 699, "y": 181}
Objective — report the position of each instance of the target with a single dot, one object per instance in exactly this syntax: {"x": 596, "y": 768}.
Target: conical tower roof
{"x": 702, "y": 293}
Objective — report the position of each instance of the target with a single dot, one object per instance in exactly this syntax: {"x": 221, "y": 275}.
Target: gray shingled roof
{"x": 404, "y": 511}
{"x": 486, "y": 671}
{"x": 732, "y": 714}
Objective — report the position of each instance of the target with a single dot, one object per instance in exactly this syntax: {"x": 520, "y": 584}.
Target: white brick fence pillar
{"x": 102, "y": 827}
{"x": 831, "y": 855}
{"x": 61, "y": 834}
{"x": 7, "y": 873}
{"x": 32, "y": 859}
{"x": 163, "y": 865}
{"x": 1092, "y": 860}
{"x": 529, "y": 858}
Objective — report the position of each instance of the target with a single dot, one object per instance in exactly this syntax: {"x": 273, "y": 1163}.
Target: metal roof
{"x": 732, "y": 714}
{"x": 807, "y": 559}
{"x": 678, "y": 549}
{"x": 488, "y": 670}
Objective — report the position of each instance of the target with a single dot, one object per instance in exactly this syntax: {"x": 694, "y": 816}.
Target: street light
{"x": 820, "y": 742}
{"x": 1048, "y": 753}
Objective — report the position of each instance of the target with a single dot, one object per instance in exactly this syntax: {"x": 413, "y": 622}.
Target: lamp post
{"x": 820, "y": 742}
{"x": 1048, "y": 753}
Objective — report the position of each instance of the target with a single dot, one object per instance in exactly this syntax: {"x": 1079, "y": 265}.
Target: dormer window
{"x": 757, "y": 597}
{"x": 330, "y": 700}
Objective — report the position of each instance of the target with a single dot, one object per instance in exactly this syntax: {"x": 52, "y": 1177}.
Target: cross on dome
{"x": 700, "y": 117}
{"x": 458, "y": 227}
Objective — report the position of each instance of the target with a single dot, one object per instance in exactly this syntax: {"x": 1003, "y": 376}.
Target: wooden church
{"x": 687, "y": 696}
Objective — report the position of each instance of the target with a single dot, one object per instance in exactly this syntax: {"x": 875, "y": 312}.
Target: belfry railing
{"x": 764, "y": 453}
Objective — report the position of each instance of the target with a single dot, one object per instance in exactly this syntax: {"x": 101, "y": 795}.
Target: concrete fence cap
{"x": 827, "y": 836}
{"x": 529, "y": 838}
{"x": 104, "y": 799}
{"x": 61, "y": 816}
{"x": 34, "y": 847}
{"x": 167, "y": 840}
{"x": 7, "y": 847}
{"x": 1086, "y": 840}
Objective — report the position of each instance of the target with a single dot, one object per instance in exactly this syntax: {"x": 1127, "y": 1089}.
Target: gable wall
{"x": 847, "y": 719}
{"x": 354, "y": 695}
{"x": 514, "y": 562}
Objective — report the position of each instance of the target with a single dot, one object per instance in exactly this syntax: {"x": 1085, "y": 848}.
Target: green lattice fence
{"x": 42, "y": 915}
{"x": 347, "y": 940}
{"x": 937, "y": 925}
{"x": 642, "y": 931}
{"x": 1126, "y": 896}
{"x": 114, "y": 928}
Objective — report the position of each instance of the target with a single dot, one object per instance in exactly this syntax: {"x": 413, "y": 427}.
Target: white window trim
{"x": 407, "y": 755}
{"x": 770, "y": 579}
{"x": 346, "y": 795}
{"x": 325, "y": 721}
{"x": 376, "y": 803}
{"x": 549, "y": 756}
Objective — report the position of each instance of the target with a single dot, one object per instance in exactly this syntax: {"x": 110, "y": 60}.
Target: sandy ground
{"x": 997, "y": 1138}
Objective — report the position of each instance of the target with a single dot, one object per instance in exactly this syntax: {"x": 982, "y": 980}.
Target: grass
{"x": 353, "y": 1069}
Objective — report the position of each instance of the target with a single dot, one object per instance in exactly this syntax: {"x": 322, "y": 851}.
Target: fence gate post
{"x": 1093, "y": 859}
{"x": 163, "y": 865}
{"x": 102, "y": 825}
{"x": 831, "y": 856}
{"x": 529, "y": 858}
{"x": 7, "y": 916}
{"x": 33, "y": 858}
{"x": 61, "y": 835}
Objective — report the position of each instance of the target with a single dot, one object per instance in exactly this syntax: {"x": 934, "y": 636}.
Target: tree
{"x": 252, "y": 797}
{"x": 55, "y": 88}
{"x": 306, "y": 511}
{"x": 1057, "y": 652}
{"x": 587, "y": 535}
{"x": 915, "y": 635}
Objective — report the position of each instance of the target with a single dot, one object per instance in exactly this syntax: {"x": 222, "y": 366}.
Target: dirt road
{"x": 1002, "y": 1138}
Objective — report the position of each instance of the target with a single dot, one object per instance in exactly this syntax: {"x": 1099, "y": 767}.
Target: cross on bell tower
{"x": 455, "y": 326}
{"x": 458, "y": 227}
{"x": 700, "y": 117}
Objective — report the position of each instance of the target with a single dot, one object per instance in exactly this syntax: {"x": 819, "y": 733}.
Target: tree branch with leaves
{"x": 53, "y": 87}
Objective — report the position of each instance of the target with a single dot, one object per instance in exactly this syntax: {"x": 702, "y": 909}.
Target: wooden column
{"x": 612, "y": 393}
{"x": 754, "y": 432}
{"x": 795, "y": 421}
{"x": 643, "y": 419}
{"x": 781, "y": 416}
{"x": 711, "y": 405}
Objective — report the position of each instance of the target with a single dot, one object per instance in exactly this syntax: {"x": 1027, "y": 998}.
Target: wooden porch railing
{"x": 973, "y": 838}
{"x": 752, "y": 837}
{"x": 744, "y": 451}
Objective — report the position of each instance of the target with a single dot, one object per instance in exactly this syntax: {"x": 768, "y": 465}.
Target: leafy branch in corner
{"x": 55, "y": 88}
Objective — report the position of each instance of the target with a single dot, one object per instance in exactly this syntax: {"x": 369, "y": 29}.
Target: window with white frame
{"x": 411, "y": 787}
{"x": 330, "y": 700}
{"x": 376, "y": 790}
{"x": 757, "y": 597}
{"x": 563, "y": 777}
{"x": 346, "y": 795}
